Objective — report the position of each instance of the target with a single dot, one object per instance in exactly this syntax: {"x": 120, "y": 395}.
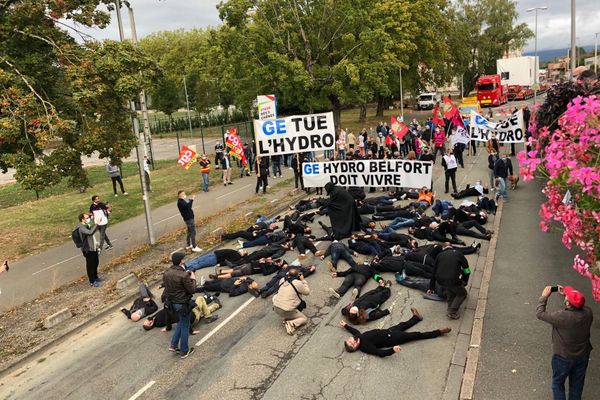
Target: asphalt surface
{"x": 50, "y": 269}
{"x": 247, "y": 355}
{"x": 516, "y": 348}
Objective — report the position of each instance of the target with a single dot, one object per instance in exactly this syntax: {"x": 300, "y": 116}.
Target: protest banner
{"x": 369, "y": 173}
{"x": 234, "y": 144}
{"x": 267, "y": 106}
{"x": 187, "y": 157}
{"x": 299, "y": 133}
{"x": 460, "y": 136}
{"x": 510, "y": 130}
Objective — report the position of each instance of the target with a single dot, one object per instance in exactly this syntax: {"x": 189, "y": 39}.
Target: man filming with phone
{"x": 570, "y": 340}
{"x": 288, "y": 304}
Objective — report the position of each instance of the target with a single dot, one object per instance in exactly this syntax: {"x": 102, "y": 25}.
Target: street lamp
{"x": 535, "y": 71}
{"x": 573, "y": 44}
{"x": 596, "y": 52}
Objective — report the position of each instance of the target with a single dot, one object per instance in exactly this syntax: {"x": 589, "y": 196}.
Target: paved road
{"x": 50, "y": 269}
{"x": 247, "y": 355}
{"x": 515, "y": 351}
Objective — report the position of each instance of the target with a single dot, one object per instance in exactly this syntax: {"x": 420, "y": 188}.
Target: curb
{"x": 468, "y": 381}
{"x": 128, "y": 297}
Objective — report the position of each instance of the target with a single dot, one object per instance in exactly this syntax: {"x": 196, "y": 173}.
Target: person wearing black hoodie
{"x": 451, "y": 271}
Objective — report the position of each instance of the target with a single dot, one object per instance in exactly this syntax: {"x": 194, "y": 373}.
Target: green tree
{"x": 482, "y": 32}
{"x": 167, "y": 97}
{"x": 55, "y": 90}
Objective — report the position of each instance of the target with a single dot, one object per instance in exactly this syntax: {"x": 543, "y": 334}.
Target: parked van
{"x": 426, "y": 101}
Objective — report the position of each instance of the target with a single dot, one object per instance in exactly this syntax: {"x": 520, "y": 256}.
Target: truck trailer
{"x": 517, "y": 71}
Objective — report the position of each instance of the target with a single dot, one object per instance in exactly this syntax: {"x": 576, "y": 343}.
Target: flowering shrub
{"x": 568, "y": 157}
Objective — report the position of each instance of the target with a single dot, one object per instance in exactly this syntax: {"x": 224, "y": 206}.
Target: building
{"x": 589, "y": 62}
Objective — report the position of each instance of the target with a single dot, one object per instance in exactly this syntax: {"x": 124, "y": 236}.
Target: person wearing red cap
{"x": 570, "y": 340}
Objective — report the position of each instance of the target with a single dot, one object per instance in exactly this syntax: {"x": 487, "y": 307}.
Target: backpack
{"x": 76, "y": 236}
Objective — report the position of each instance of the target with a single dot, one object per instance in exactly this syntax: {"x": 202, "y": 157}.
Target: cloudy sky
{"x": 553, "y": 24}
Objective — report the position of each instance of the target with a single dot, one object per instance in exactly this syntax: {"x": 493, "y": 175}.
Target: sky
{"x": 554, "y": 24}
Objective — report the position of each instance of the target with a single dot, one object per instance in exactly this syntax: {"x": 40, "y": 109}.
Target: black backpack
{"x": 76, "y": 236}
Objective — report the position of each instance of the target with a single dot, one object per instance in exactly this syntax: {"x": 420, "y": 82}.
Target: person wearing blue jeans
{"x": 502, "y": 169}
{"x": 442, "y": 207}
{"x": 400, "y": 222}
{"x": 179, "y": 286}
{"x": 339, "y": 251}
{"x": 570, "y": 340}
{"x": 214, "y": 258}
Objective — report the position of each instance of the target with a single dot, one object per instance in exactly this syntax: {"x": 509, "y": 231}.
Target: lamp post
{"x": 536, "y": 62}
{"x": 573, "y": 39}
{"x": 596, "y": 52}
{"x": 141, "y": 146}
{"x": 401, "y": 97}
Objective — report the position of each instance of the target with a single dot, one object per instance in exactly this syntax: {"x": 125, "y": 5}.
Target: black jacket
{"x": 185, "y": 209}
{"x": 179, "y": 286}
{"x": 451, "y": 269}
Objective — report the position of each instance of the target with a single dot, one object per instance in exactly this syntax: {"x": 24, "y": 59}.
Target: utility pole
{"x": 401, "y": 97}
{"x": 573, "y": 39}
{"x": 140, "y": 148}
{"x": 536, "y": 62}
{"x": 596, "y": 53}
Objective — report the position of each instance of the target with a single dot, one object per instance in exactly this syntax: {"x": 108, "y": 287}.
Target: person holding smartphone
{"x": 570, "y": 340}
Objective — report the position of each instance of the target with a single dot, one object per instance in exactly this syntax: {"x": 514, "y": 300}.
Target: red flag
{"x": 458, "y": 121}
{"x": 398, "y": 128}
{"x": 437, "y": 116}
{"x": 187, "y": 157}
{"x": 450, "y": 110}
{"x": 235, "y": 146}
{"x": 388, "y": 140}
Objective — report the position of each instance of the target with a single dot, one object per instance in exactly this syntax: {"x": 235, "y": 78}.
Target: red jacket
{"x": 439, "y": 138}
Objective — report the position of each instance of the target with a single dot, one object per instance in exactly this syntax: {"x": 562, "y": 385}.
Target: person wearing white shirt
{"x": 450, "y": 165}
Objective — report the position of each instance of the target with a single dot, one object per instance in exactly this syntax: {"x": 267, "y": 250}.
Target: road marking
{"x": 54, "y": 265}
{"x": 165, "y": 219}
{"x": 235, "y": 191}
{"x": 142, "y": 390}
{"x": 222, "y": 324}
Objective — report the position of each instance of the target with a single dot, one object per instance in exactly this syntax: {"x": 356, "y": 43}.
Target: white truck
{"x": 426, "y": 101}
{"x": 517, "y": 71}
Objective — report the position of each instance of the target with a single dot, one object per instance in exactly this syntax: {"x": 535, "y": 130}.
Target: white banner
{"x": 460, "y": 136}
{"x": 299, "y": 133}
{"x": 267, "y": 106}
{"x": 369, "y": 173}
{"x": 510, "y": 130}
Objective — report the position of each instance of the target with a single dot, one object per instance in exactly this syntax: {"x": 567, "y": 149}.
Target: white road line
{"x": 165, "y": 219}
{"x": 142, "y": 390}
{"x": 222, "y": 324}
{"x": 235, "y": 191}
{"x": 218, "y": 229}
{"x": 54, "y": 265}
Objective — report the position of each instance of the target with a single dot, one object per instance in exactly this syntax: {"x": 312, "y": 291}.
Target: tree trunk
{"x": 337, "y": 111}
{"x": 380, "y": 106}
{"x": 362, "y": 116}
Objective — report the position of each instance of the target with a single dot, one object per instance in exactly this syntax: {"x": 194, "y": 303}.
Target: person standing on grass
{"x": 187, "y": 213}
{"x": 115, "y": 175}
{"x": 570, "y": 340}
{"x": 101, "y": 211}
{"x": 204, "y": 163}
{"x": 226, "y": 164}
{"x": 218, "y": 154}
{"x": 89, "y": 248}
{"x": 180, "y": 285}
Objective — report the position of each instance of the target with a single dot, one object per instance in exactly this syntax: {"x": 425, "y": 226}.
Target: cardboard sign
{"x": 369, "y": 173}
{"x": 296, "y": 134}
{"x": 187, "y": 157}
{"x": 267, "y": 106}
{"x": 510, "y": 130}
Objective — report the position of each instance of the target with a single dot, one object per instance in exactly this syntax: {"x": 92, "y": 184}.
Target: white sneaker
{"x": 125, "y": 194}
{"x": 116, "y": 195}
{"x": 202, "y": 280}
{"x": 197, "y": 249}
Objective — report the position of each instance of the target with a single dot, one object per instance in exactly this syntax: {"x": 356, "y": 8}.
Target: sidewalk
{"x": 516, "y": 349}
{"x": 31, "y": 276}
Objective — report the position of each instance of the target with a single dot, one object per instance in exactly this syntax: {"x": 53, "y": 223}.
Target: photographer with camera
{"x": 570, "y": 340}
{"x": 288, "y": 303}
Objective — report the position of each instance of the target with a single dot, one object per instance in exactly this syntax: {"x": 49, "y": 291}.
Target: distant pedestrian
{"x": 262, "y": 170}
{"x": 115, "y": 175}
{"x": 204, "y": 163}
{"x": 147, "y": 173}
{"x": 101, "y": 211}
{"x": 187, "y": 213}
{"x": 180, "y": 285}
{"x": 276, "y": 165}
{"x": 570, "y": 340}
{"x": 502, "y": 169}
{"x": 450, "y": 166}
{"x": 218, "y": 154}
{"x": 4, "y": 267}
{"x": 226, "y": 164}
{"x": 439, "y": 141}
{"x": 89, "y": 248}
